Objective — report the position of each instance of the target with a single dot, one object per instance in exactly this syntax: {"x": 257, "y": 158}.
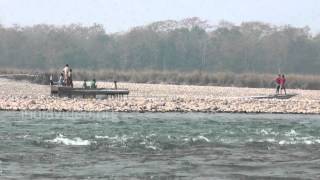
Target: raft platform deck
{"x": 62, "y": 91}
{"x": 276, "y": 96}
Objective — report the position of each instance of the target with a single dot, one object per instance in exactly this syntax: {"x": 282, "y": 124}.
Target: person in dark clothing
{"x": 70, "y": 81}
{"x": 278, "y": 84}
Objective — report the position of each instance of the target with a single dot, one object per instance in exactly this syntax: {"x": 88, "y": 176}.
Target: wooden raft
{"x": 62, "y": 91}
{"x": 276, "y": 96}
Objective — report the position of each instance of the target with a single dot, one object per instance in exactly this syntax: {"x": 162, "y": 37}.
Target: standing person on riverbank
{"x": 65, "y": 74}
{"x": 60, "y": 82}
{"x": 51, "y": 80}
{"x": 70, "y": 78}
{"x": 278, "y": 82}
{"x": 283, "y": 84}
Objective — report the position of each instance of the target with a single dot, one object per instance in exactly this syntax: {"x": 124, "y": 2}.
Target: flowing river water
{"x": 48, "y": 145}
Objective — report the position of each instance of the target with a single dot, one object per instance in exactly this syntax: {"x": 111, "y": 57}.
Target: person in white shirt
{"x": 65, "y": 74}
{"x": 60, "y": 82}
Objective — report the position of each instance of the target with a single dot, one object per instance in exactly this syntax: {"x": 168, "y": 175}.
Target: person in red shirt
{"x": 278, "y": 82}
{"x": 283, "y": 84}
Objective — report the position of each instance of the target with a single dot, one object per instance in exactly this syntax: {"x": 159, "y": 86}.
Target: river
{"x": 48, "y": 145}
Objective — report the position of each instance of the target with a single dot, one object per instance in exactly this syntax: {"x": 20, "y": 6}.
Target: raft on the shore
{"x": 276, "y": 96}
{"x": 62, "y": 91}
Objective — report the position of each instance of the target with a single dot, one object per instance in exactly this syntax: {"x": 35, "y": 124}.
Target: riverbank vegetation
{"x": 246, "y": 55}
{"x": 251, "y": 47}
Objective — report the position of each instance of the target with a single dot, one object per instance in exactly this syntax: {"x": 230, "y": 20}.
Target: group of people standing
{"x": 281, "y": 84}
{"x": 65, "y": 78}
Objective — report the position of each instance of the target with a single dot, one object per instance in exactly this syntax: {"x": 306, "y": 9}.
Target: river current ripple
{"x": 48, "y": 145}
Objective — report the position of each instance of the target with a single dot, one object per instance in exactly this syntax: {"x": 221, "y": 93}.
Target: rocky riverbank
{"x": 23, "y": 96}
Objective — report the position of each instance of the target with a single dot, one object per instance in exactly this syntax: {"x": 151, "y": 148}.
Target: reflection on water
{"x": 41, "y": 145}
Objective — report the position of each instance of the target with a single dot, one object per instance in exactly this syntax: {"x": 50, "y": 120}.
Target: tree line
{"x": 251, "y": 47}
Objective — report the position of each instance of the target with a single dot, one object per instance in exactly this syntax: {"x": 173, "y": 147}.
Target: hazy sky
{"x": 120, "y": 15}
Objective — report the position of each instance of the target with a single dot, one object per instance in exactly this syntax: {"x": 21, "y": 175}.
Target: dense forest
{"x": 251, "y": 47}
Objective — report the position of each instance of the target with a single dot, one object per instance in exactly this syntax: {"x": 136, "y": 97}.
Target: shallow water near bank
{"x": 45, "y": 145}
